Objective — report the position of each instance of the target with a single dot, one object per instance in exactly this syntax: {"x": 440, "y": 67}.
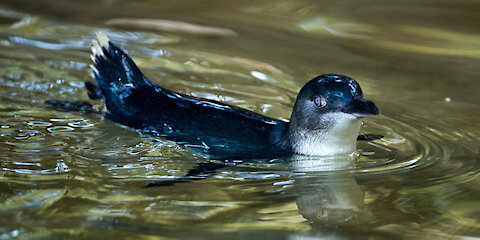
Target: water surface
{"x": 74, "y": 175}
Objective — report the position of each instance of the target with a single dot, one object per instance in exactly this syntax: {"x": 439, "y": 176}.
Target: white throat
{"x": 338, "y": 135}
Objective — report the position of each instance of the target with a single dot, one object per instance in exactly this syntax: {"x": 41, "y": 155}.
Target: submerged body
{"x": 326, "y": 118}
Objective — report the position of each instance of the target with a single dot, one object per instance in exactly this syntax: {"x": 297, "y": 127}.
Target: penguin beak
{"x": 361, "y": 108}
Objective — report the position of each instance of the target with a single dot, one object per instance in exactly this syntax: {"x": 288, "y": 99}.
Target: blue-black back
{"x": 219, "y": 129}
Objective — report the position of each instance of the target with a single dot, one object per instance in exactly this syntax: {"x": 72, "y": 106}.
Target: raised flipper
{"x": 94, "y": 92}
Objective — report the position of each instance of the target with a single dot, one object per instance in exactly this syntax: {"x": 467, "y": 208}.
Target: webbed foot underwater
{"x": 325, "y": 120}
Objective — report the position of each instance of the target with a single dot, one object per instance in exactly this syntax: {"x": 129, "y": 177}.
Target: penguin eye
{"x": 320, "y": 101}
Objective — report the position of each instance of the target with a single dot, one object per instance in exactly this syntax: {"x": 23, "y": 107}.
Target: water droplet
{"x": 60, "y": 129}
{"x": 80, "y": 124}
{"x": 259, "y": 75}
{"x": 39, "y": 124}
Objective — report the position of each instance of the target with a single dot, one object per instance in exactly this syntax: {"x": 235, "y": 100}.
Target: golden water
{"x": 70, "y": 175}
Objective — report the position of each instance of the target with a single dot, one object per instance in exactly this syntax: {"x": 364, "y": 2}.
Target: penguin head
{"x": 330, "y": 93}
{"x": 327, "y": 114}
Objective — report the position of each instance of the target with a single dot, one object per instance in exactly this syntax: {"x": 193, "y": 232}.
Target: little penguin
{"x": 325, "y": 120}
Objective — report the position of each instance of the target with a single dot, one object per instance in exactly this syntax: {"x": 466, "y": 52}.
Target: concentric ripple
{"x": 403, "y": 147}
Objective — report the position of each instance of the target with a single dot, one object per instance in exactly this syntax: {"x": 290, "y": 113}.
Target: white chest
{"x": 339, "y": 137}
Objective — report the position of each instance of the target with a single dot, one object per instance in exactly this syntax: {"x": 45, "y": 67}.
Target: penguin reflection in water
{"x": 326, "y": 195}
{"x": 325, "y": 120}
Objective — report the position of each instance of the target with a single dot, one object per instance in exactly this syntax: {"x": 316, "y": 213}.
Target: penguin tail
{"x": 115, "y": 72}
{"x": 116, "y": 75}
